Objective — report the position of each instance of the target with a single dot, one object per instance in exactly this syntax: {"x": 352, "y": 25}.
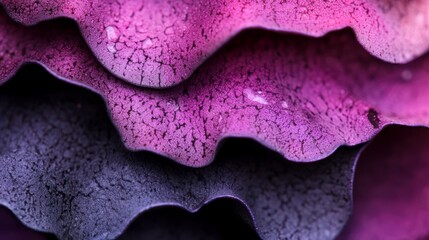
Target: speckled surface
{"x": 65, "y": 171}
{"x": 300, "y": 96}
{"x": 160, "y": 43}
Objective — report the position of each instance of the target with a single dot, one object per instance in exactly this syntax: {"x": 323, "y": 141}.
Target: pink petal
{"x": 160, "y": 43}
{"x": 391, "y": 188}
{"x": 300, "y": 96}
{"x": 64, "y": 170}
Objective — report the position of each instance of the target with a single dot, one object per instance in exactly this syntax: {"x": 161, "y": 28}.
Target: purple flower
{"x": 201, "y": 73}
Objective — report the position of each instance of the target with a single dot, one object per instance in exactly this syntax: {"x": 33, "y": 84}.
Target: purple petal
{"x": 65, "y": 171}
{"x": 300, "y": 96}
{"x": 160, "y": 43}
{"x": 391, "y": 188}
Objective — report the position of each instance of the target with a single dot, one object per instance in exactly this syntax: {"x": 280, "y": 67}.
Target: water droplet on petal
{"x": 254, "y": 97}
{"x": 112, "y": 33}
{"x": 111, "y": 48}
{"x": 147, "y": 43}
{"x": 285, "y": 105}
{"x": 112, "y": 37}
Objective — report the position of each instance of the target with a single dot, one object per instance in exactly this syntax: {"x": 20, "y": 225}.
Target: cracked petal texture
{"x": 66, "y": 172}
{"x": 160, "y": 43}
{"x": 179, "y": 78}
{"x": 215, "y": 221}
{"x": 300, "y": 96}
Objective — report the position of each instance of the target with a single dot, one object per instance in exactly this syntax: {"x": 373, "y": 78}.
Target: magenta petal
{"x": 300, "y": 96}
{"x": 391, "y": 189}
{"x": 64, "y": 170}
{"x": 160, "y": 43}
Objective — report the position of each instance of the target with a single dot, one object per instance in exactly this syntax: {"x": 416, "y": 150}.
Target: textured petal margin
{"x": 65, "y": 171}
{"x": 160, "y": 43}
{"x": 300, "y": 96}
{"x": 218, "y": 220}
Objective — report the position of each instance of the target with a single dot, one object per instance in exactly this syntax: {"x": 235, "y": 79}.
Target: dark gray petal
{"x": 65, "y": 170}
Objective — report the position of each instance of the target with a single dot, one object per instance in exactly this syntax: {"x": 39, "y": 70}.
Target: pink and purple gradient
{"x": 65, "y": 171}
{"x": 300, "y": 96}
{"x": 160, "y": 43}
{"x": 232, "y": 71}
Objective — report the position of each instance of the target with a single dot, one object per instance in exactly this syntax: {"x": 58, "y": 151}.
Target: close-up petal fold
{"x": 66, "y": 172}
{"x": 302, "y": 97}
{"x": 161, "y": 43}
{"x": 126, "y": 119}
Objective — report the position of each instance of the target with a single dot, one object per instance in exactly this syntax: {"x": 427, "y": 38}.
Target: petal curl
{"x": 220, "y": 219}
{"x": 300, "y": 96}
{"x": 160, "y": 43}
{"x": 65, "y": 171}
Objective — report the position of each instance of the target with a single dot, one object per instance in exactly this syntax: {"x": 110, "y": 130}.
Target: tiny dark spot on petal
{"x": 373, "y": 118}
